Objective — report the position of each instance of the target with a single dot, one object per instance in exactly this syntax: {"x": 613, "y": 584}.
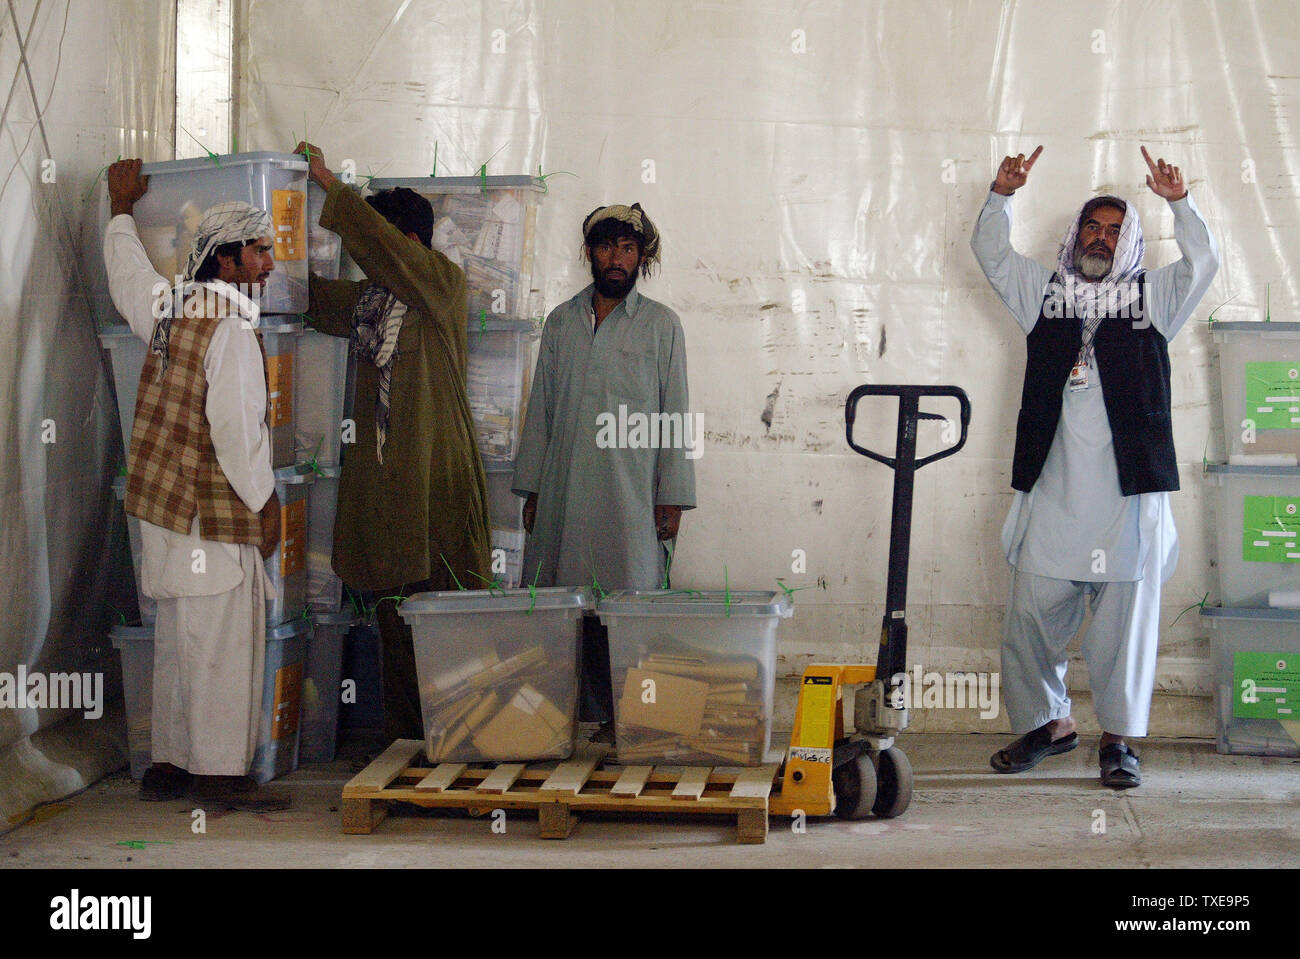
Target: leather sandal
{"x": 1119, "y": 767}
{"x": 1030, "y": 749}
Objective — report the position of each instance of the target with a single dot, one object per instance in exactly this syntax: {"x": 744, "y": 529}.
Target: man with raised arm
{"x": 1091, "y": 524}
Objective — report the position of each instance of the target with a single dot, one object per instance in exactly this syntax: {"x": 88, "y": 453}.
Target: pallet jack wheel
{"x": 855, "y": 787}
{"x": 894, "y": 784}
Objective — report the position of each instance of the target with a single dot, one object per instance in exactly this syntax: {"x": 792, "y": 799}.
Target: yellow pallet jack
{"x": 854, "y": 776}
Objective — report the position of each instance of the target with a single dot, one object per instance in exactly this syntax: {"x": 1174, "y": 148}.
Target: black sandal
{"x": 1030, "y": 749}
{"x": 1119, "y": 767}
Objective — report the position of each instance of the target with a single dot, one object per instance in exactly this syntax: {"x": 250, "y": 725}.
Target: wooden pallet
{"x": 557, "y": 791}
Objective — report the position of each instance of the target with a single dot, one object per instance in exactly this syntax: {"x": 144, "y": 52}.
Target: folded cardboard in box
{"x": 528, "y": 725}
{"x": 677, "y": 704}
{"x": 711, "y": 670}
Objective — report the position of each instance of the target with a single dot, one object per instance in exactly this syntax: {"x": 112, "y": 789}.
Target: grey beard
{"x": 1092, "y": 266}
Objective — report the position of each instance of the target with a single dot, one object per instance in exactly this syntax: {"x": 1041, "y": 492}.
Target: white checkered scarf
{"x": 1092, "y": 300}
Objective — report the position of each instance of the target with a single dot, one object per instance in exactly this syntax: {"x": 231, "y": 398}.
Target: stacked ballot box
{"x": 498, "y": 672}
{"x": 321, "y": 687}
{"x": 487, "y": 226}
{"x": 693, "y": 674}
{"x": 282, "y": 688}
{"x": 126, "y": 353}
{"x": 324, "y": 247}
{"x": 1253, "y": 636}
{"x": 286, "y": 568}
{"x": 324, "y": 590}
{"x": 505, "y": 518}
{"x": 148, "y": 609}
{"x": 497, "y": 382}
{"x": 181, "y": 191}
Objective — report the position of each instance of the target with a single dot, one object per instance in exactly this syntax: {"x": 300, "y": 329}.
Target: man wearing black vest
{"x": 1091, "y": 523}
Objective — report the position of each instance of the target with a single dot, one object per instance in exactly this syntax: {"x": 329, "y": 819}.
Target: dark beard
{"x": 614, "y": 289}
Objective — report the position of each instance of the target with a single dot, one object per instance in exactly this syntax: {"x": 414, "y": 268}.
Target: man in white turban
{"x": 602, "y": 500}
{"x": 199, "y": 479}
{"x": 1091, "y": 525}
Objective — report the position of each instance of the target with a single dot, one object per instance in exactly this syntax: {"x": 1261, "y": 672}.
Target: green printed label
{"x": 1266, "y": 685}
{"x": 1271, "y": 529}
{"x": 1273, "y": 395}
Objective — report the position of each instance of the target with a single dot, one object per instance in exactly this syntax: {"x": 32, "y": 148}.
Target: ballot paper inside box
{"x": 487, "y": 226}
{"x": 1256, "y": 658}
{"x": 693, "y": 674}
{"x": 498, "y": 671}
{"x": 497, "y": 384}
{"x": 181, "y": 191}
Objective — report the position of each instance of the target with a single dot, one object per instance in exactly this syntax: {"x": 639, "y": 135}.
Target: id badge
{"x": 1079, "y": 377}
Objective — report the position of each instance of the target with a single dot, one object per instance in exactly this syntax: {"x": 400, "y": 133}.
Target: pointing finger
{"x": 1033, "y": 157}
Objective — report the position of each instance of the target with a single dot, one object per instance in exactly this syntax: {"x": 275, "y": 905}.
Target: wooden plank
{"x": 442, "y": 777}
{"x": 632, "y": 781}
{"x": 570, "y": 777}
{"x": 361, "y": 816}
{"x": 501, "y": 778}
{"x": 555, "y": 820}
{"x": 691, "y": 785}
{"x": 386, "y": 767}
{"x": 754, "y": 783}
{"x": 751, "y": 826}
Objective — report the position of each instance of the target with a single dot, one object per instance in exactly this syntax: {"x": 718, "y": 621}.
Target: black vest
{"x": 1134, "y": 370}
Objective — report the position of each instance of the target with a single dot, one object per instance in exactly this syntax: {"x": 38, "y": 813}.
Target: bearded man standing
{"x": 598, "y": 514}
{"x": 1094, "y": 461}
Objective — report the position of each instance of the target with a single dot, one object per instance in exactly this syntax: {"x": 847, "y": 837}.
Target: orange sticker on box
{"x": 293, "y": 537}
{"x": 288, "y": 701}
{"x": 289, "y": 220}
{"x": 279, "y": 389}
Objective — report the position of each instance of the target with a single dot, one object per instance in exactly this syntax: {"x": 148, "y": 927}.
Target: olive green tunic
{"x": 428, "y": 498}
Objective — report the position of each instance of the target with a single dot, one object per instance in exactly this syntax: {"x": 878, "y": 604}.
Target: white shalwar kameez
{"x": 210, "y": 634}
{"x": 1074, "y": 539}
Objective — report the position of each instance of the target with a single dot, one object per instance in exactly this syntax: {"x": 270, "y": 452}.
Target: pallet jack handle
{"x": 892, "y": 657}
{"x": 908, "y": 414}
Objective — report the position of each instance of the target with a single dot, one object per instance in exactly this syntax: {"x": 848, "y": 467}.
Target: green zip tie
{"x": 668, "y": 567}
{"x": 1221, "y": 306}
{"x": 450, "y": 570}
{"x": 120, "y": 615}
{"x": 493, "y": 584}
{"x": 532, "y": 589}
{"x": 789, "y": 590}
{"x": 1200, "y": 605}
{"x": 597, "y": 588}
{"x": 141, "y": 843}
{"x": 482, "y": 171}
{"x": 435, "y": 159}
{"x": 544, "y": 176}
{"x": 1268, "y": 309}
{"x": 312, "y": 462}
{"x": 726, "y": 590}
{"x": 211, "y": 156}
{"x": 121, "y": 470}
{"x": 358, "y": 609}
{"x": 94, "y": 182}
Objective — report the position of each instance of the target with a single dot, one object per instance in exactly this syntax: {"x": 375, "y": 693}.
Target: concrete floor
{"x": 1196, "y": 809}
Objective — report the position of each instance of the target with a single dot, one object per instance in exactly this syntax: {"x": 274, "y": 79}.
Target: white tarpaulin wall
{"x": 816, "y": 169}
{"x": 97, "y": 83}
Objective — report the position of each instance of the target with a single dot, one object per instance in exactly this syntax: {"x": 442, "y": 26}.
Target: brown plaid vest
{"x": 172, "y": 469}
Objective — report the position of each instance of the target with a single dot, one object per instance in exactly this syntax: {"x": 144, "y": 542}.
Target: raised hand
{"x": 1013, "y": 172}
{"x": 125, "y": 185}
{"x": 317, "y": 170}
{"x": 1165, "y": 179}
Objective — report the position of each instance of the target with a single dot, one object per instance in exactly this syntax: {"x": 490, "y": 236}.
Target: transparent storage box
{"x": 282, "y": 683}
{"x": 1259, "y": 367}
{"x": 148, "y": 609}
{"x": 323, "y": 246}
{"x": 1256, "y": 657}
{"x": 498, "y": 672}
{"x": 1258, "y": 526}
{"x": 287, "y": 566}
{"x": 321, "y": 685}
{"x": 135, "y": 643}
{"x": 282, "y": 688}
{"x": 181, "y": 191}
{"x": 280, "y": 337}
{"x": 127, "y": 353}
{"x": 324, "y": 587}
{"x": 506, "y": 519}
{"x": 693, "y": 674}
{"x": 488, "y": 227}
{"x": 498, "y": 382}
{"x": 320, "y": 375}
